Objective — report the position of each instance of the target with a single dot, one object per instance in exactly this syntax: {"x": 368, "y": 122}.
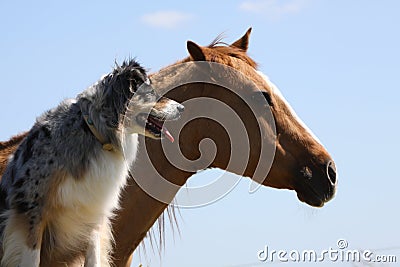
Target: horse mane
{"x": 238, "y": 53}
{"x": 222, "y": 52}
{"x": 7, "y": 148}
{"x": 15, "y": 140}
{"x": 156, "y": 234}
{"x": 218, "y": 41}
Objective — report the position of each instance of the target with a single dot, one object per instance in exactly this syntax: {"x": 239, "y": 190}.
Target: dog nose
{"x": 180, "y": 108}
{"x": 331, "y": 172}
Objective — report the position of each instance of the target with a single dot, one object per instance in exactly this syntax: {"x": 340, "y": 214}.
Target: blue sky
{"x": 337, "y": 63}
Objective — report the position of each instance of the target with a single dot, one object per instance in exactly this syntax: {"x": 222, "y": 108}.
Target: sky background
{"x": 336, "y": 62}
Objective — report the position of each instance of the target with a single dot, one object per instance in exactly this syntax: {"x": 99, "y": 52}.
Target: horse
{"x": 299, "y": 162}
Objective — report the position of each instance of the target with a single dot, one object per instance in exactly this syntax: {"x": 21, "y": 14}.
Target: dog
{"x": 63, "y": 182}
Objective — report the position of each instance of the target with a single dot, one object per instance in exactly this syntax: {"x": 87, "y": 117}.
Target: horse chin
{"x": 313, "y": 197}
{"x": 310, "y": 199}
{"x": 310, "y": 195}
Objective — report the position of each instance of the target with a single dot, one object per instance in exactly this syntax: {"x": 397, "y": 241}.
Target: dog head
{"x": 125, "y": 100}
{"x": 147, "y": 112}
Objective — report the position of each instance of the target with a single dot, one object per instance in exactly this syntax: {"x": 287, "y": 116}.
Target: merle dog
{"x": 64, "y": 180}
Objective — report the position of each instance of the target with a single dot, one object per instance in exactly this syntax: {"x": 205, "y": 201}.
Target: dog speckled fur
{"x": 62, "y": 186}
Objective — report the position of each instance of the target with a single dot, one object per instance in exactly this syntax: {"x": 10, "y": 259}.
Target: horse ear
{"x": 243, "y": 43}
{"x": 195, "y": 51}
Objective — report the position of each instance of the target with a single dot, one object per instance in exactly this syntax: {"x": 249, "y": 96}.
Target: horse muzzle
{"x": 316, "y": 186}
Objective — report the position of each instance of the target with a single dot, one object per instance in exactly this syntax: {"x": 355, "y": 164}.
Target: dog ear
{"x": 243, "y": 42}
{"x": 84, "y": 105}
{"x": 195, "y": 51}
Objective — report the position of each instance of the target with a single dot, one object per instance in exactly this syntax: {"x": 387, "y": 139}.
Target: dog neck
{"x": 106, "y": 145}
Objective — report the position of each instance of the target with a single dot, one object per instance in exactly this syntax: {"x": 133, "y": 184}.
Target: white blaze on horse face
{"x": 278, "y": 93}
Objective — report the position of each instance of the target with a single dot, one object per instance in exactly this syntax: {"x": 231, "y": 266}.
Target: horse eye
{"x": 267, "y": 97}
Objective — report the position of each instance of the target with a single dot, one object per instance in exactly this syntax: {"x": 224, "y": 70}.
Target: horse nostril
{"x": 331, "y": 172}
{"x": 180, "y": 108}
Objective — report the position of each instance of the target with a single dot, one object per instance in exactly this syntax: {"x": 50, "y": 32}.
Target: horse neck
{"x": 152, "y": 186}
{"x": 152, "y": 170}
